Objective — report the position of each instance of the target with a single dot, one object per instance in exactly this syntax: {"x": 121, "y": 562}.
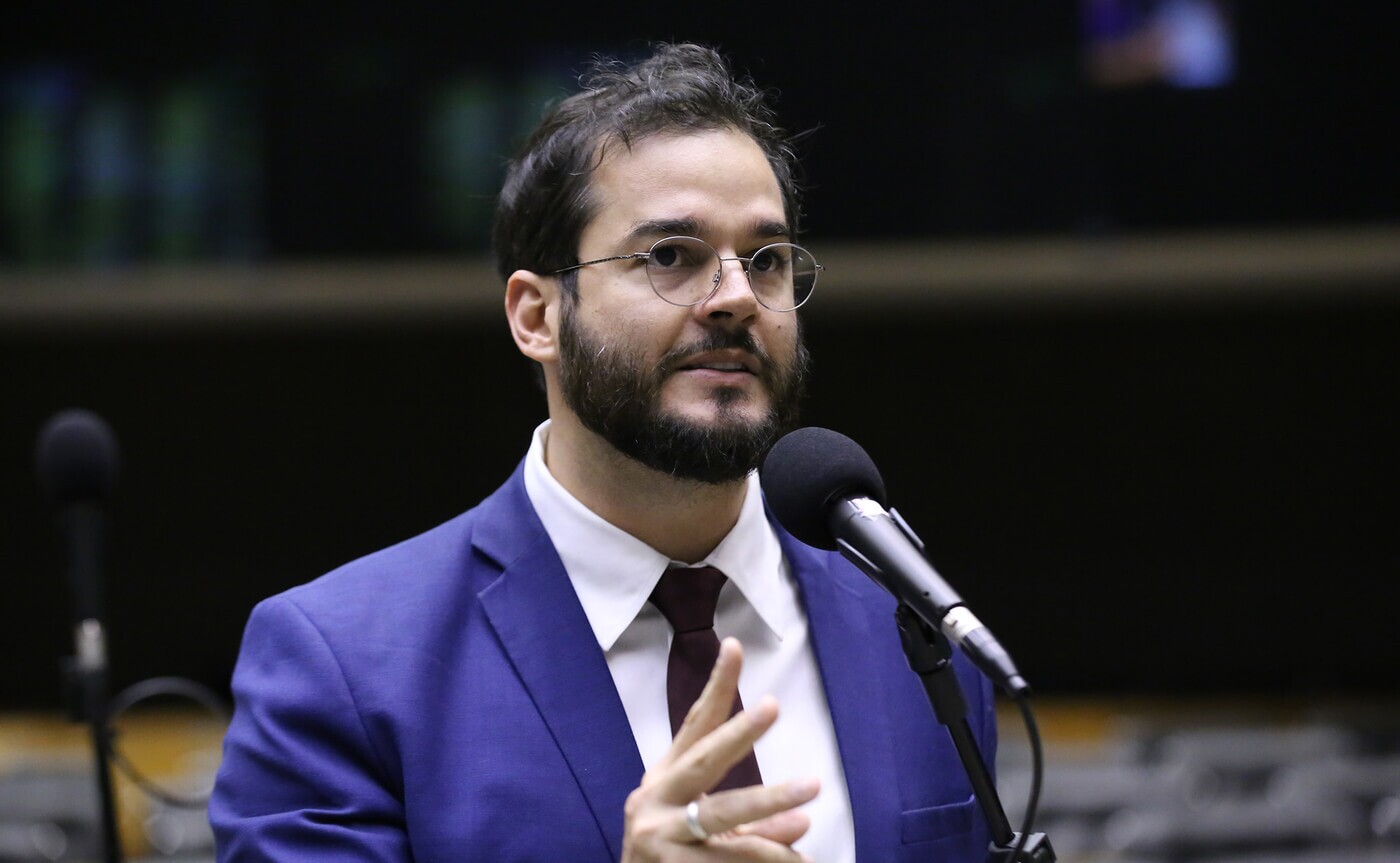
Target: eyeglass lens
{"x": 684, "y": 271}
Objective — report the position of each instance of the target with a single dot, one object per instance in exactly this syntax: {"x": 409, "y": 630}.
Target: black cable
{"x": 1037, "y": 767}
{"x": 153, "y": 688}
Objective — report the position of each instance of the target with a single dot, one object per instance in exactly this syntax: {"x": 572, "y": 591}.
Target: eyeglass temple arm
{"x": 632, "y": 256}
{"x": 722, "y": 259}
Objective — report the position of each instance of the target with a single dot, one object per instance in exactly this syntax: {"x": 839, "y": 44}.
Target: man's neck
{"x": 682, "y": 519}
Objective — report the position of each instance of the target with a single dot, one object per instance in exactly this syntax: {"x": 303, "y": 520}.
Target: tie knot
{"x": 687, "y": 597}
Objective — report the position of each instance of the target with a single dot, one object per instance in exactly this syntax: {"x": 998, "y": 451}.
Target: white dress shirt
{"x": 614, "y": 573}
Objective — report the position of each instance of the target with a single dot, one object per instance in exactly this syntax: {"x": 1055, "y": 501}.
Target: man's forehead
{"x": 689, "y": 184}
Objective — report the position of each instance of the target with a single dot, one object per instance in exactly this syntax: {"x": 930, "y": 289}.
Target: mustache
{"x": 718, "y": 340}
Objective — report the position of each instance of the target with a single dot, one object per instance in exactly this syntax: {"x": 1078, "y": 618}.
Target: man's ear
{"x": 532, "y": 302}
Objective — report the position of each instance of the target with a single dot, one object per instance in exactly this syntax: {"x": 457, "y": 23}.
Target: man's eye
{"x": 769, "y": 260}
{"x": 678, "y": 254}
{"x": 666, "y": 256}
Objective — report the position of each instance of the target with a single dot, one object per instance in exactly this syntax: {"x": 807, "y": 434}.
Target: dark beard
{"x": 617, "y": 395}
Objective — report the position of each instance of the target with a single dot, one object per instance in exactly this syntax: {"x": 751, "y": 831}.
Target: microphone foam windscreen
{"x": 76, "y": 457}
{"x": 810, "y": 469}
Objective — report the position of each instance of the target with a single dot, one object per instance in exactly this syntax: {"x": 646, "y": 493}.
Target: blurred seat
{"x": 1366, "y": 778}
{"x": 1248, "y": 825}
{"x": 1251, "y": 749}
{"x": 47, "y": 814}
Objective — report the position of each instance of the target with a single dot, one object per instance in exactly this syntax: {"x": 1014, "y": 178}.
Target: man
{"x": 520, "y": 683}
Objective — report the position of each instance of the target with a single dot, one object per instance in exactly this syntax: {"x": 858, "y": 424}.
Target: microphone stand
{"x": 931, "y": 657}
{"x": 86, "y": 671}
{"x": 87, "y": 679}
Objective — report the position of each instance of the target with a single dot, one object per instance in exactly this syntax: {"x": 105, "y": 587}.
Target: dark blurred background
{"x": 1117, "y": 310}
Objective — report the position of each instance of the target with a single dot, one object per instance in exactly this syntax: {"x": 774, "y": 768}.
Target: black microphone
{"x": 77, "y": 458}
{"x": 77, "y": 461}
{"x": 825, "y": 490}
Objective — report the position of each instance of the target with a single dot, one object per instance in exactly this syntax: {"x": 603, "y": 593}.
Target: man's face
{"x": 698, "y": 392}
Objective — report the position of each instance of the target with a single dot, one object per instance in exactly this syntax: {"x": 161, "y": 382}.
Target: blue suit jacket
{"x": 445, "y": 700}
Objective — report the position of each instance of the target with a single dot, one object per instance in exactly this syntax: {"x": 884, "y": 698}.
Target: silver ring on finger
{"x": 692, "y": 821}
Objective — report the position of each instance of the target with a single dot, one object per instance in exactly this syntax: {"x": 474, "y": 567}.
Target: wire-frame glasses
{"x": 685, "y": 271}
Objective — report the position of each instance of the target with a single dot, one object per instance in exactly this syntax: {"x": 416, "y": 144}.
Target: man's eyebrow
{"x": 664, "y": 228}
{"x": 764, "y": 228}
{"x": 771, "y": 229}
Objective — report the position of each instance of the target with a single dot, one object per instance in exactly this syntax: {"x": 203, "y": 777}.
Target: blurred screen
{"x": 1181, "y": 43}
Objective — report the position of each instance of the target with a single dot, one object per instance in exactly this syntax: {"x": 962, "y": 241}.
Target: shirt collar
{"x": 614, "y": 573}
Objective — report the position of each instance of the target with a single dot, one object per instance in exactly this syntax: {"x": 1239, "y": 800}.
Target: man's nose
{"x": 732, "y": 295}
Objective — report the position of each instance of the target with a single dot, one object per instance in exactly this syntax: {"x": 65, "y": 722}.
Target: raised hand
{"x": 670, "y": 818}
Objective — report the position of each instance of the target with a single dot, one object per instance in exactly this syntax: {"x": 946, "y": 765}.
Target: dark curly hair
{"x": 545, "y": 202}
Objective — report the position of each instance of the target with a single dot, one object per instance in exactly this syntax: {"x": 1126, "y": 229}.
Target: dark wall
{"x": 1188, "y": 499}
{"x": 933, "y": 119}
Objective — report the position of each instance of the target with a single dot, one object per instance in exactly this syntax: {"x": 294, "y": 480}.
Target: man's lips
{"x": 716, "y": 377}
{"x": 723, "y": 362}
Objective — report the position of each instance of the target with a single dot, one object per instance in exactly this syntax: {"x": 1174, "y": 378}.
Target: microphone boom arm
{"x": 893, "y": 558}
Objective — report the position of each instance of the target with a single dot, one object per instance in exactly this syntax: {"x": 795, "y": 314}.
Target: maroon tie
{"x": 687, "y": 599}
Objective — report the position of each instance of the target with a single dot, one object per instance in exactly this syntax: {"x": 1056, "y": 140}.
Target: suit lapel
{"x": 546, "y": 635}
{"x": 855, "y": 666}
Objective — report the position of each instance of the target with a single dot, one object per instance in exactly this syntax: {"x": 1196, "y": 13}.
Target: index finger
{"x": 706, "y": 762}
{"x": 715, "y": 703}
